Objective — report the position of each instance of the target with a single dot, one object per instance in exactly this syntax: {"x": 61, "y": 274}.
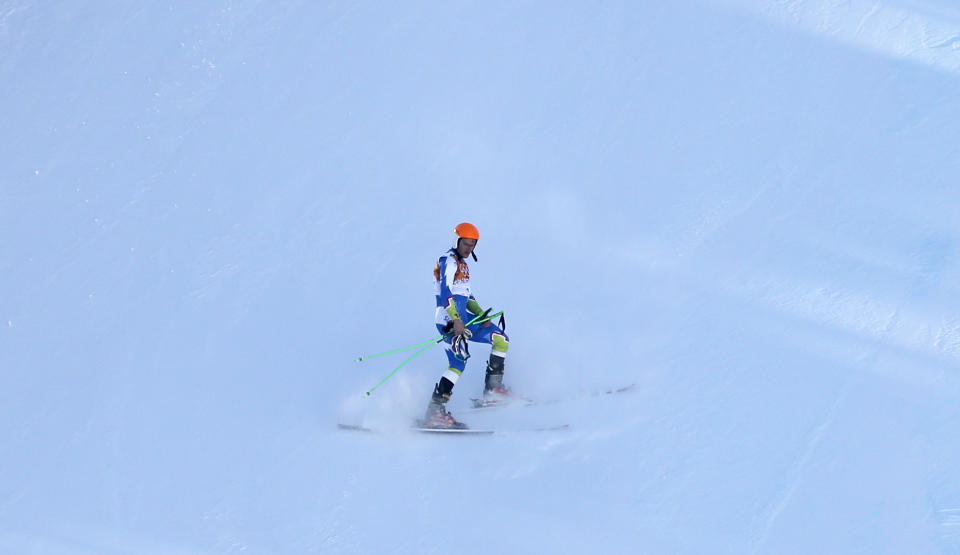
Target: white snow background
{"x": 748, "y": 208}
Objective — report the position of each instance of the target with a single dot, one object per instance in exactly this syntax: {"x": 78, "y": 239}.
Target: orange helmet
{"x": 466, "y": 231}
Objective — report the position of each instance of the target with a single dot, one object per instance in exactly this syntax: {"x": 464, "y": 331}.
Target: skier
{"x": 455, "y": 306}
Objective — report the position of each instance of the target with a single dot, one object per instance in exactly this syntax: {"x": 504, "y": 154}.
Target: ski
{"x": 468, "y": 431}
{"x": 419, "y": 429}
{"x": 480, "y": 404}
{"x": 463, "y": 431}
{"x": 355, "y": 428}
{"x": 484, "y": 404}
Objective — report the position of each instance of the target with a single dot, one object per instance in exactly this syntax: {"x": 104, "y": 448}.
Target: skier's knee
{"x": 500, "y": 343}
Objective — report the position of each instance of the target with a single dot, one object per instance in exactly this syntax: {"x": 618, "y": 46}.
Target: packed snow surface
{"x": 747, "y": 208}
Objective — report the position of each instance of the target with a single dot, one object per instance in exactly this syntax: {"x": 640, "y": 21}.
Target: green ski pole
{"x": 400, "y": 350}
{"x": 395, "y": 370}
{"x": 479, "y": 319}
{"x": 425, "y": 343}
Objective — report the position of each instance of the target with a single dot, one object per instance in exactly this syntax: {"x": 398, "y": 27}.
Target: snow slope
{"x": 746, "y": 207}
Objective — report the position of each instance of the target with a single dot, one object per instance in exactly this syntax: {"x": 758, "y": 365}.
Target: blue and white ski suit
{"x": 455, "y": 300}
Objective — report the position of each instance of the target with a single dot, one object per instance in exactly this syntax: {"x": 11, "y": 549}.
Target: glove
{"x": 459, "y": 345}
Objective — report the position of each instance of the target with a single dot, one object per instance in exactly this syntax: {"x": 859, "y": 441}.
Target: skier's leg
{"x": 443, "y": 389}
{"x": 455, "y": 367}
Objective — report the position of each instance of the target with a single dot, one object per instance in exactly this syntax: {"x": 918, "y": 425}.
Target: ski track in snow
{"x": 896, "y": 30}
{"x": 949, "y": 521}
{"x": 794, "y": 477}
{"x": 339, "y": 533}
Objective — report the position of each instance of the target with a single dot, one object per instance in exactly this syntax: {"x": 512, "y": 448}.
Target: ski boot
{"x": 437, "y": 415}
{"x": 494, "y": 392}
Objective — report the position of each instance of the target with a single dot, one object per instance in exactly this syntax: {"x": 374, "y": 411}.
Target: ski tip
{"x": 354, "y": 427}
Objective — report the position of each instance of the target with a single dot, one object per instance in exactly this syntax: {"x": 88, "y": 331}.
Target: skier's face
{"x": 465, "y": 247}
